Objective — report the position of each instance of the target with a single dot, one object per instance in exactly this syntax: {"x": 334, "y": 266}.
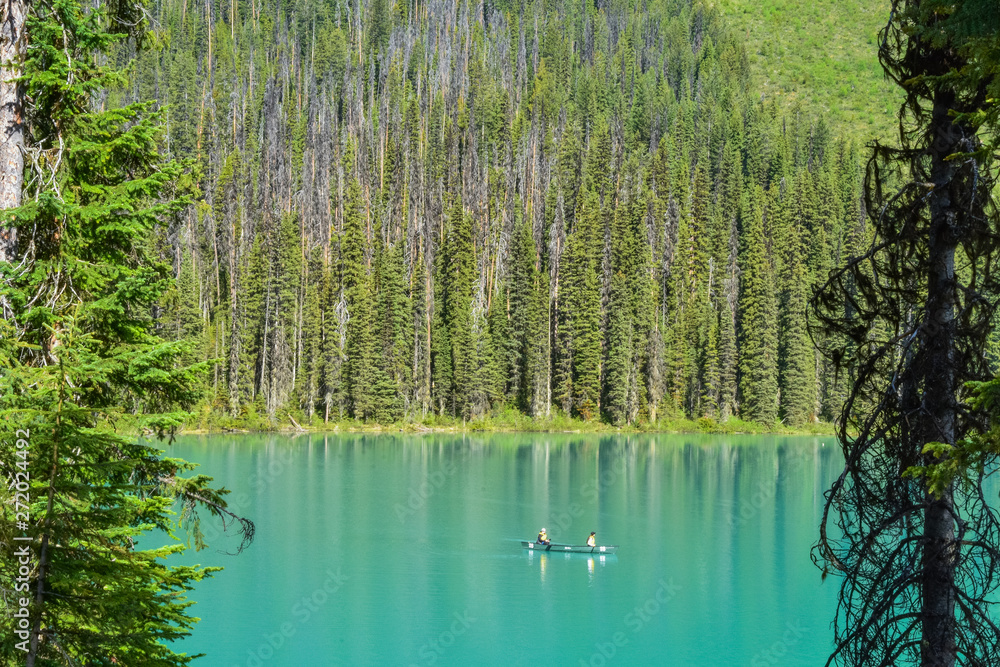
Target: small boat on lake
{"x": 552, "y": 547}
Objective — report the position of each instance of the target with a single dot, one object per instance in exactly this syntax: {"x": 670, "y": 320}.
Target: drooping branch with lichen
{"x": 908, "y": 320}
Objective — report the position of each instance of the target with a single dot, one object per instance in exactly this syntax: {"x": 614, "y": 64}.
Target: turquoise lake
{"x": 404, "y": 550}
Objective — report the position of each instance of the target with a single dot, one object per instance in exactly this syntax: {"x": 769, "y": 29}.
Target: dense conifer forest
{"x": 407, "y": 210}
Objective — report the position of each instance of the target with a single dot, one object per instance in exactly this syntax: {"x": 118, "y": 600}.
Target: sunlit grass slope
{"x": 823, "y": 54}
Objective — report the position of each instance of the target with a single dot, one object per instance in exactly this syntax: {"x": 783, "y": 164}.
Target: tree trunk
{"x": 235, "y": 336}
{"x": 12, "y": 43}
{"x": 43, "y": 557}
{"x": 937, "y": 340}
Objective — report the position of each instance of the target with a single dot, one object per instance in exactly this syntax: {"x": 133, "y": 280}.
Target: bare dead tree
{"x": 12, "y": 50}
{"x": 909, "y": 318}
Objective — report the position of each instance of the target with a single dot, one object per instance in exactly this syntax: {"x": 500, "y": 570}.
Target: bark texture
{"x": 917, "y": 550}
{"x": 12, "y": 43}
{"x": 937, "y": 416}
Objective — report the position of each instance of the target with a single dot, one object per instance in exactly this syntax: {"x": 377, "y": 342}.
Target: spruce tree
{"x": 520, "y": 289}
{"x": 359, "y": 371}
{"x": 308, "y": 381}
{"x": 618, "y": 366}
{"x": 442, "y": 375}
{"x": 284, "y": 351}
{"x": 624, "y": 341}
{"x": 252, "y": 323}
{"x": 584, "y": 302}
{"x": 758, "y": 320}
{"x": 184, "y": 315}
{"x": 798, "y": 376}
{"x": 709, "y": 368}
{"x": 332, "y": 346}
{"x": 460, "y": 276}
{"x": 537, "y": 352}
{"x": 420, "y": 333}
{"x": 80, "y": 354}
{"x": 392, "y": 327}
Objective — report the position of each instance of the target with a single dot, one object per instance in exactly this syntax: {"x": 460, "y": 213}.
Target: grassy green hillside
{"x": 822, "y": 53}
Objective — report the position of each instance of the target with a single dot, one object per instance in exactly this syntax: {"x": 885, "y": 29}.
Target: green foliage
{"x": 310, "y": 378}
{"x": 393, "y": 324}
{"x": 582, "y": 302}
{"x": 520, "y": 300}
{"x": 798, "y": 372}
{"x": 361, "y": 370}
{"x": 461, "y": 265}
{"x": 967, "y": 460}
{"x": 758, "y": 317}
{"x": 392, "y": 230}
{"x": 80, "y": 354}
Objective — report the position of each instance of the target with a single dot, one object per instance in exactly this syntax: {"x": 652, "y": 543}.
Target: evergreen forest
{"x": 421, "y": 214}
{"x": 420, "y": 210}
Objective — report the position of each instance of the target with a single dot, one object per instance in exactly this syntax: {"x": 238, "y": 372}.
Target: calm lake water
{"x": 403, "y": 550}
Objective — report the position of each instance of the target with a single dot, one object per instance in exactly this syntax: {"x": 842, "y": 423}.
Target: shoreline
{"x": 680, "y": 427}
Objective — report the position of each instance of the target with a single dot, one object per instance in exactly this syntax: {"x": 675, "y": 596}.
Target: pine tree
{"x": 459, "y": 286}
{"x": 442, "y": 375}
{"x": 619, "y": 357}
{"x": 77, "y": 360}
{"x": 798, "y": 377}
{"x": 583, "y": 301}
{"x": 521, "y": 298}
{"x": 758, "y": 362}
{"x": 184, "y": 313}
{"x": 359, "y": 371}
{"x": 252, "y": 327}
{"x": 333, "y": 346}
{"x": 393, "y": 381}
{"x": 309, "y": 379}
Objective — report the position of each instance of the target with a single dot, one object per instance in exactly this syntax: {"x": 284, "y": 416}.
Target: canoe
{"x": 569, "y": 548}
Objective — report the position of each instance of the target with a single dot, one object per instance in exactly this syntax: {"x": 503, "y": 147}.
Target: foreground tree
{"x": 12, "y": 16}
{"x": 80, "y": 361}
{"x": 919, "y": 561}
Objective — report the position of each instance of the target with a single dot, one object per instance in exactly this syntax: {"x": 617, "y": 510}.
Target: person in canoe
{"x": 592, "y": 540}
{"x": 543, "y": 537}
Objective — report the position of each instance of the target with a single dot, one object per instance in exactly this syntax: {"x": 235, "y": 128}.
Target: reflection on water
{"x": 425, "y": 531}
{"x": 542, "y": 559}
